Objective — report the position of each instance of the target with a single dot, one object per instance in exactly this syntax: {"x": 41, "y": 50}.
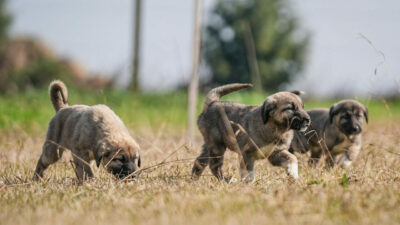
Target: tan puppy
{"x": 91, "y": 133}
{"x": 269, "y": 127}
{"x": 333, "y": 131}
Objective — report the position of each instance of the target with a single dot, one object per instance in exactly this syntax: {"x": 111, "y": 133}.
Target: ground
{"x": 366, "y": 193}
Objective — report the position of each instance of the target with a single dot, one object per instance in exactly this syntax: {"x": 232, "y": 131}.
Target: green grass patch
{"x": 32, "y": 110}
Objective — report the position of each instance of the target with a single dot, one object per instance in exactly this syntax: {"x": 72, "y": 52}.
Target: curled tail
{"x": 58, "y": 95}
{"x": 215, "y": 94}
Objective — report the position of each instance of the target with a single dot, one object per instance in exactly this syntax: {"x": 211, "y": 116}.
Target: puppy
{"x": 268, "y": 131}
{"x": 91, "y": 133}
{"x": 333, "y": 131}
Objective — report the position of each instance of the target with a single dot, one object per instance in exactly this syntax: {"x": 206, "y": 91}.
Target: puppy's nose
{"x": 356, "y": 129}
{"x": 129, "y": 168}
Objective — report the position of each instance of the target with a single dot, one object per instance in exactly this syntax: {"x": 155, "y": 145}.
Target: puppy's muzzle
{"x": 300, "y": 122}
{"x": 355, "y": 129}
{"x": 125, "y": 170}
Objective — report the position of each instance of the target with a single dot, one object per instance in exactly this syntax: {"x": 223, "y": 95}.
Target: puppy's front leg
{"x": 282, "y": 157}
{"x": 247, "y": 168}
{"x": 349, "y": 156}
{"x": 316, "y": 153}
{"x": 82, "y": 167}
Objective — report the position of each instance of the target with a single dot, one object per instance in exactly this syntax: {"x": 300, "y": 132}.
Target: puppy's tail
{"x": 58, "y": 94}
{"x": 215, "y": 94}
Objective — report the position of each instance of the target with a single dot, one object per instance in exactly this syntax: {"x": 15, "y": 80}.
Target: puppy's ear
{"x": 365, "y": 111}
{"x": 98, "y": 158}
{"x": 99, "y": 152}
{"x": 332, "y": 112}
{"x": 266, "y": 109}
{"x": 296, "y": 92}
{"x": 139, "y": 162}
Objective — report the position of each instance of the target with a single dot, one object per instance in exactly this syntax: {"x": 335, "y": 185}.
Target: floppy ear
{"x": 139, "y": 162}
{"x": 99, "y": 152}
{"x": 98, "y": 158}
{"x": 332, "y": 112}
{"x": 296, "y": 92}
{"x": 365, "y": 111}
{"x": 266, "y": 109}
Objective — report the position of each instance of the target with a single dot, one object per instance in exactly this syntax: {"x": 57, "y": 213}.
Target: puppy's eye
{"x": 119, "y": 158}
{"x": 346, "y": 116}
{"x": 288, "y": 108}
{"x": 293, "y": 107}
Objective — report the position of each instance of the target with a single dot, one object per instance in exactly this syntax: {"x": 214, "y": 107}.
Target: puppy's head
{"x": 348, "y": 115}
{"x": 121, "y": 159}
{"x": 286, "y": 110}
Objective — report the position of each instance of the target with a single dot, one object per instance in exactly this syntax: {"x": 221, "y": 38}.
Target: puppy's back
{"x": 303, "y": 141}
{"x": 319, "y": 117}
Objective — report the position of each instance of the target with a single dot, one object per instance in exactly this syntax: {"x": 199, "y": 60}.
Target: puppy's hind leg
{"x": 216, "y": 162}
{"x": 286, "y": 160}
{"x": 51, "y": 153}
{"x": 201, "y": 163}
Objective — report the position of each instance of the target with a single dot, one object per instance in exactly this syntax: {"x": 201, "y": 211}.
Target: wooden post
{"x": 136, "y": 46}
{"x": 252, "y": 58}
{"x": 194, "y": 80}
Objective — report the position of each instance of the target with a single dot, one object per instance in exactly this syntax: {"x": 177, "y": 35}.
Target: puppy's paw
{"x": 233, "y": 180}
{"x": 247, "y": 177}
{"x": 345, "y": 164}
{"x": 292, "y": 170}
{"x": 229, "y": 179}
{"x": 195, "y": 177}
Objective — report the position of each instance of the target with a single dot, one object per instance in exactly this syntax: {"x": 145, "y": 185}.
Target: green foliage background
{"x": 280, "y": 45}
{"x": 5, "y": 21}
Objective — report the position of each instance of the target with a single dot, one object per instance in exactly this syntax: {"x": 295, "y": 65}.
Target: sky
{"x": 347, "y": 38}
{"x": 341, "y": 59}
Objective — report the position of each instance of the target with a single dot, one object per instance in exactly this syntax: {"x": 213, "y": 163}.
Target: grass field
{"x": 32, "y": 110}
{"x": 368, "y": 193}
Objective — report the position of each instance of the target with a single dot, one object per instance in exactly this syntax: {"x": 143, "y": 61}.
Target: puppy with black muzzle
{"x": 333, "y": 132}
{"x": 91, "y": 133}
{"x": 268, "y": 131}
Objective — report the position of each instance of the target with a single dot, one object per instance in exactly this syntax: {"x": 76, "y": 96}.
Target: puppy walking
{"x": 333, "y": 132}
{"x": 91, "y": 133}
{"x": 270, "y": 127}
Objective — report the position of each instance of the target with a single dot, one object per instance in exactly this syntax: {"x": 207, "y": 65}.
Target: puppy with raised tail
{"x": 91, "y": 133}
{"x": 333, "y": 132}
{"x": 268, "y": 131}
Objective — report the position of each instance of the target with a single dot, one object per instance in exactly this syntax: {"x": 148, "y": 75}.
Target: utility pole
{"x": 194, "y": 80}
{"x": 136, "y": 46}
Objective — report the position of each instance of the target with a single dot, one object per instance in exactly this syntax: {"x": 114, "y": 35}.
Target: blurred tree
{"x": 27, "y": 63}
{"x": 5, "y": 21}
{"x": 254, "y": 41}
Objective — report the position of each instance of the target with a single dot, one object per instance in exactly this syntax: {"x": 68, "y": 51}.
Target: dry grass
{"x": 166, "y": 195}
